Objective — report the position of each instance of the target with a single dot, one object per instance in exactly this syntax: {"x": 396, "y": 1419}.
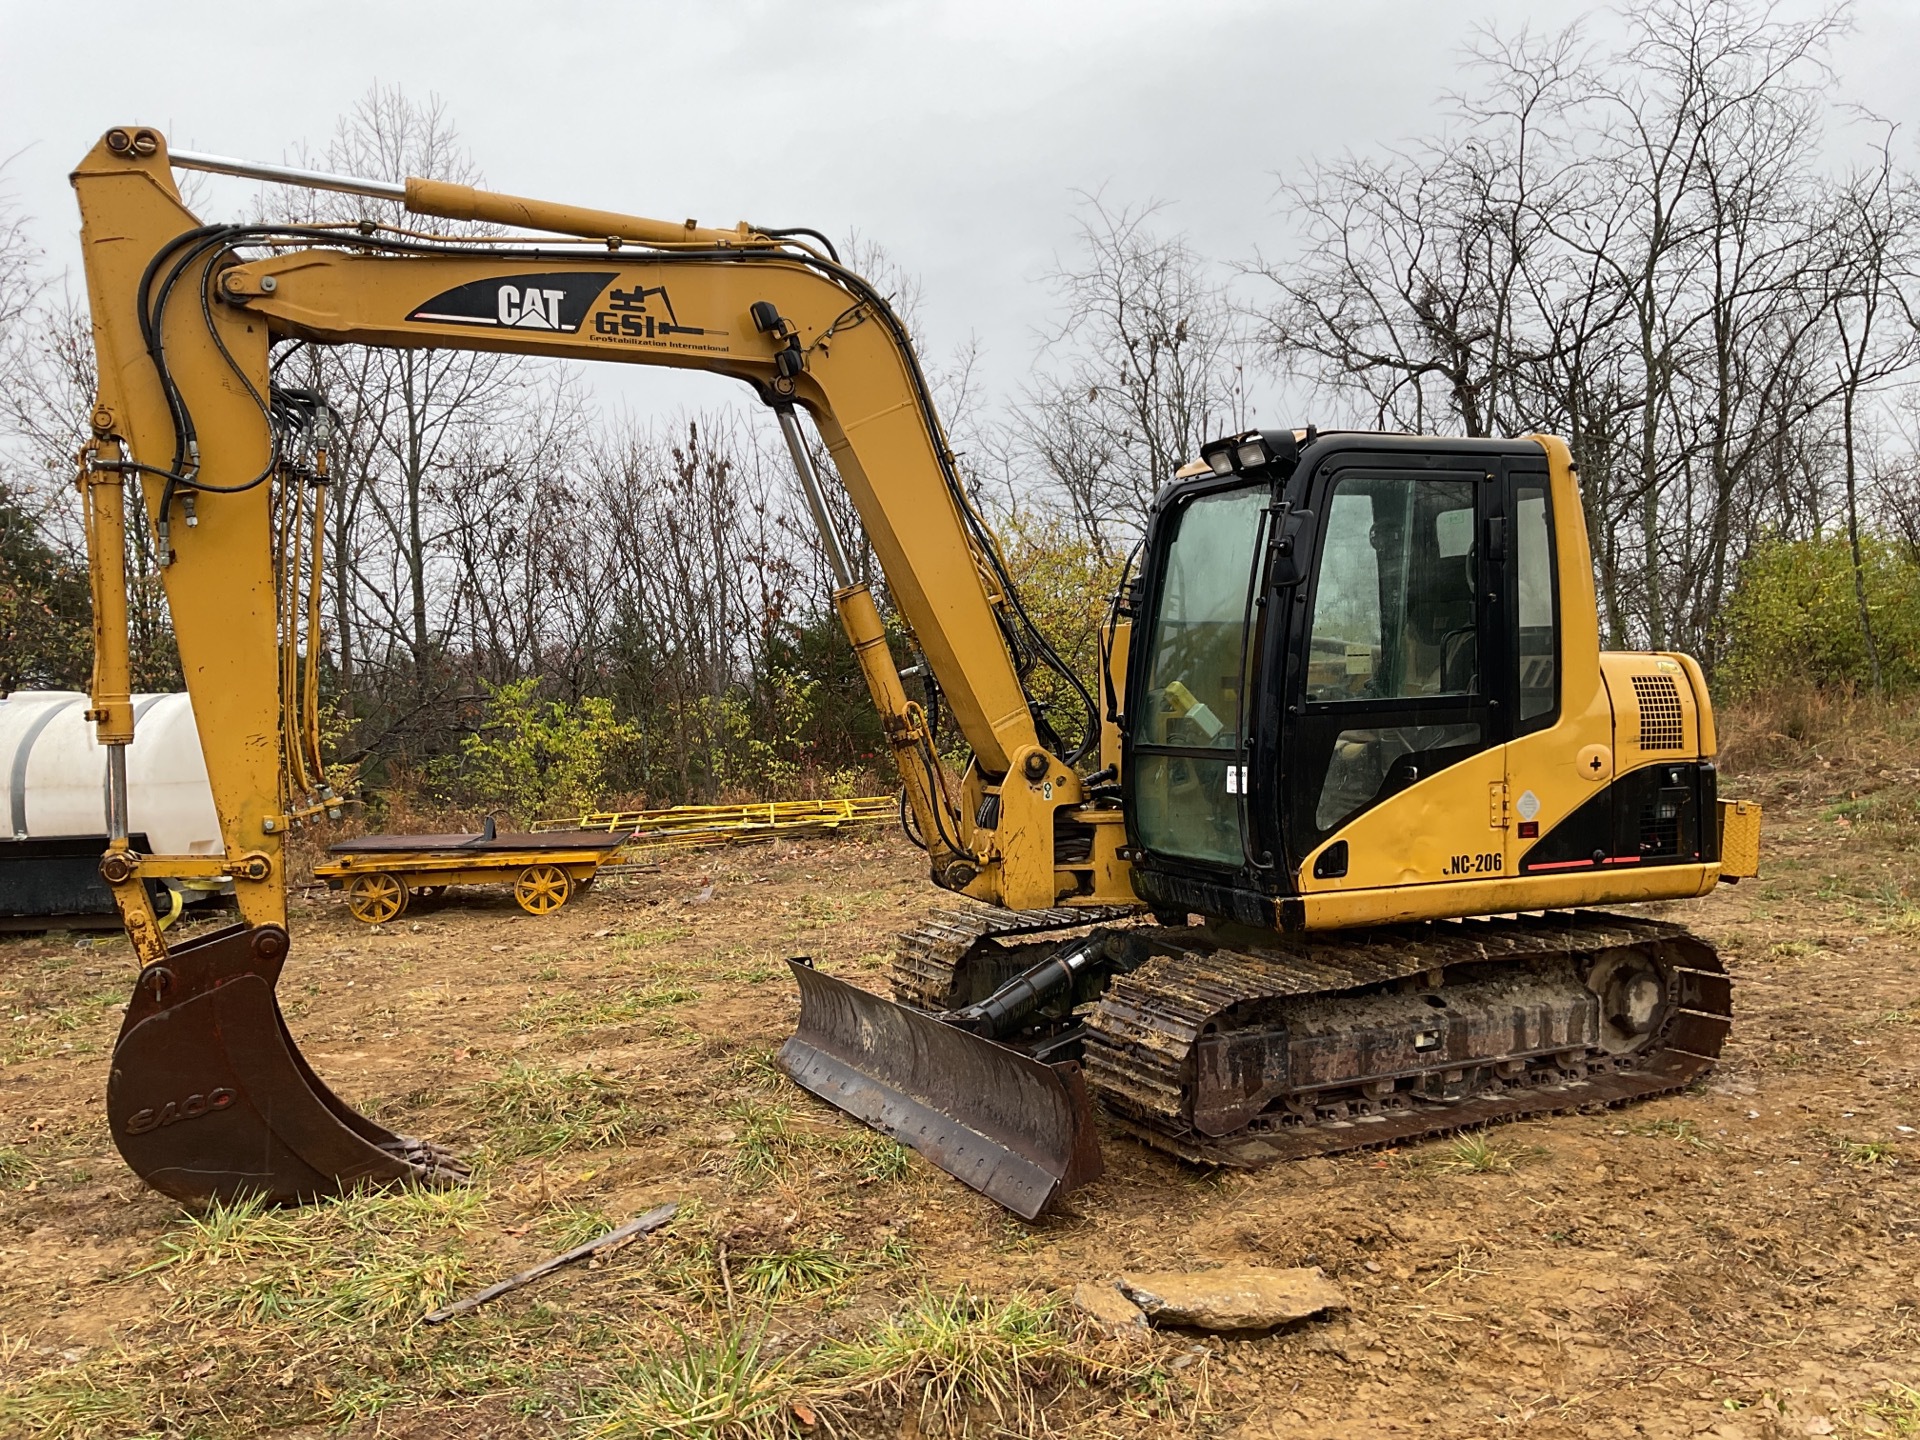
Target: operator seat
{"x": 1448, "y": 621}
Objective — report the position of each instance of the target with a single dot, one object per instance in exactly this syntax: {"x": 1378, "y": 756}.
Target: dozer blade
{"x": 210, "y": 1099}
{"x": 1014, "y": 1128}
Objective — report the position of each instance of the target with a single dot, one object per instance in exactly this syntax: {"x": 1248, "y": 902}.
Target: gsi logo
{"x": 530, "y": 308}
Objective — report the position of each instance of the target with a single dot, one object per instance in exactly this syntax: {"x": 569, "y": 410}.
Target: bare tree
{"x": 42, "y": 587}
{"x": 46, "y": 382}
{"x": 46, "y": 397}
{"x": 525, "y": 593}
{"x": 19, "y": 282}
{"x": 692, "y": 574}
{"x": 415, "y": 425}
{"x": 1874, "y": 214}
{"x": 1145, "y": 366}
{"x": 1706, "y": 124}
{"x": 1624, "y": 247}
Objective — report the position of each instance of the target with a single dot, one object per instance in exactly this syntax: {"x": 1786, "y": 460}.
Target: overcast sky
{"x": 952, "y": 133}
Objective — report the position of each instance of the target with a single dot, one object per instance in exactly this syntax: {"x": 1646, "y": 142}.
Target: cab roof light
{"x": 1283, "y": 448}
{"x": 1253, "y": 449}
{"x": 1219, "y": 457}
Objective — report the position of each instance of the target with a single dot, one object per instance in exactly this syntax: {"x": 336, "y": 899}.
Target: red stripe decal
{"x": 1584, "y": 864}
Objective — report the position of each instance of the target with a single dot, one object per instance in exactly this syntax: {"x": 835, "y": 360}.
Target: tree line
{"x": 1650, "y": 247}
{"x": 1661, "y": 233}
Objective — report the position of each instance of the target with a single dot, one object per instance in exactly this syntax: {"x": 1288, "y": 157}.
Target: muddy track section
{"x": 1143, "y": 1036}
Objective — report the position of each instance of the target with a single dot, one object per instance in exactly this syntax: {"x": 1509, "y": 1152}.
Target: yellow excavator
{"x": 1306, "y": 875}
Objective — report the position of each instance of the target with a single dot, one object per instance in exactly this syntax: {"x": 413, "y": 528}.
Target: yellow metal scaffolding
{"x": 694, "y": 827}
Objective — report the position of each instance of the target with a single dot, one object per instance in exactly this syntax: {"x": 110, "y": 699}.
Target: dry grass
{"x": 16, "y": 1169}
{"x": 765, "y": 1144}
{"x": 574, "y": 1013}
{"x": 719, "y": 1388}
{"x": 1866, "y": 1154}
{"x": 570, "y": 1223}
{"x": 291, "y": 1315}
{"x": 1476, "y": 1154}
{"x": 963, "y": 1364}
{"x": 953, "y": 1352}
{"x": 349, "y": 1267}
{"x": 1861, "y": 759}
{"x": 75, "y": 1403}
{"x": 718, "y": 1267}
{"x": 814, "y": 1270}
{"x": 1686, "y": 1132}
{"x": 799, "y": 1271}
{"x": 873, "y": 1158}
{"x": 534, "y": 1110}
{"x": 1893, "y": 1413}
{"x": 1802, "y": 726}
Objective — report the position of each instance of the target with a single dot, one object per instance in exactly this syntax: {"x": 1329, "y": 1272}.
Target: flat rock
{"x": 1107, "y": 1307}
{"x": 1232, "y": 1297}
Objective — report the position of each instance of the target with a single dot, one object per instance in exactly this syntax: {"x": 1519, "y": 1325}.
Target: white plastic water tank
{"x": 53, "y": 773}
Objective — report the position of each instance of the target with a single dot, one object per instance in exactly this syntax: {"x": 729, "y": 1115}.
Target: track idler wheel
{"x": 210, "y": 1099}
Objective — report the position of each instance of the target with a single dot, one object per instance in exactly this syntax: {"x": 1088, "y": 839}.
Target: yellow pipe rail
{"x": 690, "y": 827}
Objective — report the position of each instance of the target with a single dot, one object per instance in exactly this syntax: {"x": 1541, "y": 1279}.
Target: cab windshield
{"x": 1188, "y": 769}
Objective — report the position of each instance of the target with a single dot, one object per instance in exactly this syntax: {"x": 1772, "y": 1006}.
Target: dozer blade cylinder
{"x": 1014, "y": 1128}
{"x": 210, "y": 1099}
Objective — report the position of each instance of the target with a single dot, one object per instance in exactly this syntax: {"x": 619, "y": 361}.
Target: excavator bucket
{"x": 1016, "y": 1129}
{"x": 210, "y": 1099}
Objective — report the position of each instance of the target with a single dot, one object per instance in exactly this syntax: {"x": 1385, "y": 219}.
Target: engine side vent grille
{"x": 1662, "y": 722}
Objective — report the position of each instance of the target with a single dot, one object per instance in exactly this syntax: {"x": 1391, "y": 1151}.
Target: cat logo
{"x": 531, "y": 308}
{"x": 557, "y": 301}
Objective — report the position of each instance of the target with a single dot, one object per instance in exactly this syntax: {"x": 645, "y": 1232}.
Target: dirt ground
{"x": 1739, "y": 1260}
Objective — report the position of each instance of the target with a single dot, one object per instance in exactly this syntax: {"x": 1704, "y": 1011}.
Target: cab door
{"x": 1532, "y": 682}
{"x": 1393, "y": 764}
{"x": 1187, "y": 752}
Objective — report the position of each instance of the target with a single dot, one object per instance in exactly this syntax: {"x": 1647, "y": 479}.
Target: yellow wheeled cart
{"x": 384, "y": 874}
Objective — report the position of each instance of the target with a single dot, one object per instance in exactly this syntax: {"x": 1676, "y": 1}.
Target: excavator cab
{"x": 1357, "y": 616}
{"x": 1320, "y": 628}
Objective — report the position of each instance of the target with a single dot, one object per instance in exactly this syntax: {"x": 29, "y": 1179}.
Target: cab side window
{"x": 1189, "y": 767}
{"x": 1394, "y": 610}
{"x": 1538, "y": 605}
{"x": 1394, "y": 688}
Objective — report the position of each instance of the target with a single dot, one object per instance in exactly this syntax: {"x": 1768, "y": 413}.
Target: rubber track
{"x": 1141, "y": 1036}
{"x": 929, "y": 957}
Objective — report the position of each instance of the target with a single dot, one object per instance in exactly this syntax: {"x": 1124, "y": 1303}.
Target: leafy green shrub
{"x": 537, "y": 758}
{"x": 1794, "y": 620}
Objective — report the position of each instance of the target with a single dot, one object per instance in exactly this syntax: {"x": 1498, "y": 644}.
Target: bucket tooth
{"x": 1014, "y": 1128}
{"x": 210, "y": 1098}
